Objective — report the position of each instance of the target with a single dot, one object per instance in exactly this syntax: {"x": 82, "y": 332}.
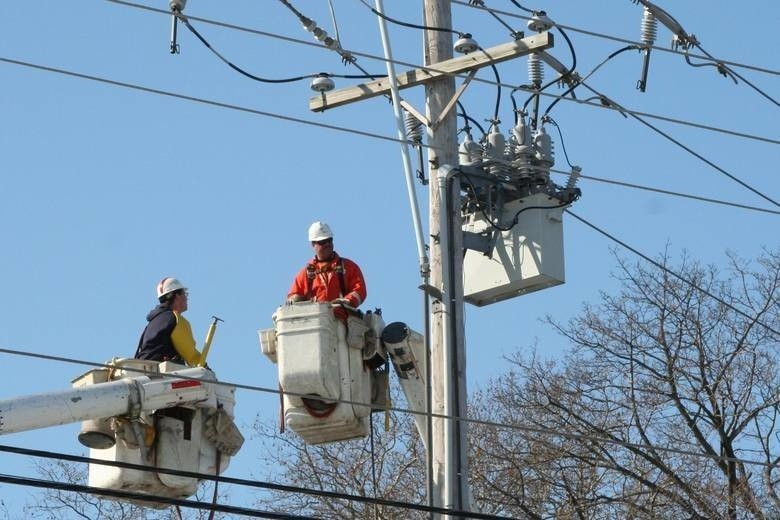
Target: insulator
{"x": 177, "y": 5}
{"x": 544, "y": 148}
{"x": 540, "y": 22}
{"x": 413, "y": 127}
{"x": 496, "y": 144}
{"x": 649, "y": 28}
{"x": 469, "y": 152}
{"x": 574, "y": 176}
{"x": 522, "y": 132}
{"x": 465, "y": 45}
{"x": 535, "y": 69}
{"x": 322, "y": 83}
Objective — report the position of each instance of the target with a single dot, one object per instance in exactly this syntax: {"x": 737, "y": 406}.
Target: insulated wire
{"x": 194, "y": 504}
{"x": 341, "y": 128}
{"x": 258, "y": 78}
{"x": 433, "y": 69}
{"x": 617, "y": 39}
{"x": 673, "y": 273}
{"x": 230, "y": 480}
{"x": 411, "y": 25}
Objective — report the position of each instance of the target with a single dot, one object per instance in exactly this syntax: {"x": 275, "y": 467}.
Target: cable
{"x": 678, "y": 276}
{"x": 616, "y": 39}
{"x": 412, "y": 25}
{"x": 194, "y": 504}
{"x": 667, "y": 192}
{"x": 552, "y": 121}
{"x": 512, "y": 32}
{"x": 186, "y": 22}
{"x": 127, "y": 3}
{"x": 580, "y": 80}
{"x": 723, "y": 70}
{"x": 235, "y": 481}
{"x": 687, "y": 149}
{"x": 339, "y": 128}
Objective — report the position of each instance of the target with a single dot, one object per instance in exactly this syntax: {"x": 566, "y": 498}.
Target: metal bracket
{"x": 482, "y": 242}
{"x": 454, "y": 99}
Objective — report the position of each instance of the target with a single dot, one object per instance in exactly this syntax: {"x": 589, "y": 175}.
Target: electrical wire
{"x": 721, "y": 67}
{"x": 258, "y": 484}
{"x": 673, "y": 273}
{"x": 672, "y": 193}
{"x": 618, "y": 39}
{"x": 412, "y": 25}
{"x": 512, "y": 32}
{"x": 579, "y": 80}
{"x": 261, "y": 79}
{"x": 339, "y": 128}
{"x": 115, "y": 493}
{"x": 257, "y": 32}
{"x": 688, "y": 149}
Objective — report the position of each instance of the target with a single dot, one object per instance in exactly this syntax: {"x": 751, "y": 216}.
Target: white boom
{"x": 125, "y": 396}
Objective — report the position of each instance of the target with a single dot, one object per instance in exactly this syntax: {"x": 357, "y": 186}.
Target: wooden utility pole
{"x": 450, "y": 463}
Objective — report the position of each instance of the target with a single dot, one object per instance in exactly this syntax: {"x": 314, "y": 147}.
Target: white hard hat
{"x": 319, "y": 231}
{"x": 168, "y": 285}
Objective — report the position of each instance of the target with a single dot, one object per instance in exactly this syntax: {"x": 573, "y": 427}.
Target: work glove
{"x": 342, "y": 301}
{"x": 295, "y": 298}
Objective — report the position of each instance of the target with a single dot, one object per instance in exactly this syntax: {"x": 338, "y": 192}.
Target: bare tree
{"x": 665, "y": 397}
{"x": 388, "y": 465}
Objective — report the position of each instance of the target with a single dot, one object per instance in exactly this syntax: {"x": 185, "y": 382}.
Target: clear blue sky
{"x": 106, "y": 189}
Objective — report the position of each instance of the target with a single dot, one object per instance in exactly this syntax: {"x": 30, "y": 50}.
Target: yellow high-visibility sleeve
{"x": 183, "y": 341}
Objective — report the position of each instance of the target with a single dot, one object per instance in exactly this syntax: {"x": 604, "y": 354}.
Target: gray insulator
{"x": 413, "y": 127}
{"x": 535, "y": 69}
{"x": 177, "y": 5}
{"x": 573, "y": 177}
{"x": 522, "y": 132}
{"x": 465, "y": 45}
{"x": 544, "y": 148}
{"x": 649, "y": 28}
{"x": 322, "y": 83}
{"x": 540, "y": 22}
{"x": 469, "y": 152}
{"x": 496, "y": 144}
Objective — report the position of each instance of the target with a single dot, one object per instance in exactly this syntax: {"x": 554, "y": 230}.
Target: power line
{"x": 197, "y": 99}
{"x": 222, "y": 479}
{"x": 672, "y": 193}
{"x": 332, "y": 127}
{"x": 470, "y": 420}
{"x": 257, "y": 32}
{"x": 194, "y": 504}
{"x": 620, "y": 40}
{"x": 687, "y": 149}
{"x": 673, "y": 273}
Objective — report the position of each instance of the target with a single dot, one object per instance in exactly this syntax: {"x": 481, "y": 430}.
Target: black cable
{"x": 673, "y": 273}
{"x": 498, "y": 88}
{"x": 560, "y": 134}
{"x": 468, "y": 119}
{"x": 432, "y": 69}
{"x": 258, "y": 78}
{"x": 512, "y": 32}
{"x": 613, "y": 38}
{"x": 689, "y": 150}
{"x": 236, "y": 481}
{"x": 194, "y": 504}
{"x": 412, "y": 25}
{"x": 523, "y": 8}
{"x": 579, "y": 80}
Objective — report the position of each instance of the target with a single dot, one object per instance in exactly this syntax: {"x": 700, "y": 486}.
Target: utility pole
{"x": 450, "y": 463}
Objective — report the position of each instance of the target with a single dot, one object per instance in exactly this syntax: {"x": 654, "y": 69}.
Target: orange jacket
{"x": 324, "y": 284}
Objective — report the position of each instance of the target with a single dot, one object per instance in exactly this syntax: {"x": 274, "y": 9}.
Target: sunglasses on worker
{"x": 323, "y": 242}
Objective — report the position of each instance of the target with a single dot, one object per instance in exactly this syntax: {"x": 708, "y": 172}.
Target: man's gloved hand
{"x": 342, "y": 301}
{"x": 295, "y": 298}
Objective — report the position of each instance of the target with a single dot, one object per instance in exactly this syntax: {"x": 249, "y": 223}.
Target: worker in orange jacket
{"x": 328, "y": 277}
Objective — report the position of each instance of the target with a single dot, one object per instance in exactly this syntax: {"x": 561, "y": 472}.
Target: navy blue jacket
{"x": 155, "y": 342}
